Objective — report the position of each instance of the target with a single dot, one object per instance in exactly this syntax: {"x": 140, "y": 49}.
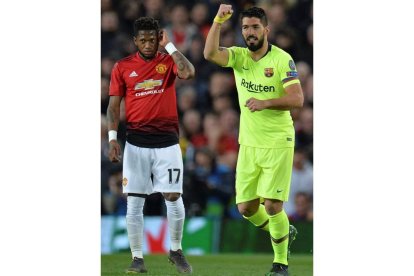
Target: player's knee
{"x": 171, "y": 196}
{"x": 246, "y": 210}
{"x": 273, "y": 206}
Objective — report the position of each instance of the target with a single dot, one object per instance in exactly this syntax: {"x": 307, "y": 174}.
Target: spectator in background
{"x": 229, "y": 123}
{"x": 180, "y": 29}
{"x": 210, "y": 135}
{"x": 308, "y": 50}
{"x": 304, "y": 136}
{"x": 304, "y": 71}
{"x": 104, "y": 94}
{"x": 308, "y": 91}
{"x": 303, "y": 208}
{"x": 276, "y": 18}
{"x": 285, "y": 38}
{"x": 228, "y": 37}
{"x": 104, "y": 138}
{"x": 195, "y": 188}
{"x": 222, "y": 85}
{"x": 196, "y": 54}
{"x": 155, "y": 9}
{"x": 204, "y": 70}
{"x": 106, "y": 5}
{"x": 221, "y": 103}
{"x": 107, "y": 63}
{"x": 187, "y": 149}
{"x": 223, "y": 144}
{"x": 109, "y": 33}
{"x": 114, "y": 201}
{"x": 192, "y": 123}
{"x": 302, "y": 178}
{"x": 187, "y": 97}
{"x": 211, "y": 179}
{"x": 130, "y": 10}
{"x": 200, "y": 17}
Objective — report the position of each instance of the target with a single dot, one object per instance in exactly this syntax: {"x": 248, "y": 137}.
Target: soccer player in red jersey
{"x": 146, "y": 81}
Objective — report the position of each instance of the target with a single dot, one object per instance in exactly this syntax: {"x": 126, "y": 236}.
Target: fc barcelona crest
{"x": 268, "y": 72}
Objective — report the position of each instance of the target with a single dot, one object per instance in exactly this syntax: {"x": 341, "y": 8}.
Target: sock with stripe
{"x": 279, "y": 235}
{"x": 260, "y": 219}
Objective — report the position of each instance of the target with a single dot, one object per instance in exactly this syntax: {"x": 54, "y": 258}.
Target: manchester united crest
{"x": 268, "y": 72}
{"x": 124, "y": 181}
{"x": 161, "y": 68}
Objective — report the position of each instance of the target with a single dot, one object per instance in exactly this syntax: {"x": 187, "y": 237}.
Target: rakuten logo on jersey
{"x": 256, "y": 88}
{"x": 148, "y": 86}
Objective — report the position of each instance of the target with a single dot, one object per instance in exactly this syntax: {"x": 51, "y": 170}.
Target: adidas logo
{"x": 133, "y": 74}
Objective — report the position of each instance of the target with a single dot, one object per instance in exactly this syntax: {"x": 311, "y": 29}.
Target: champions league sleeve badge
{"x": 292, "y": 65}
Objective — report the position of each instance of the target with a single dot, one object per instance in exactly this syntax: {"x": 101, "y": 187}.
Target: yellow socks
{"x": 279, "y": 235}
{"x": 278, "y": 226}
{"x": 260, "y": 219}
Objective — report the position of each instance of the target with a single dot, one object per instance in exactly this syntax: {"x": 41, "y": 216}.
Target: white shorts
{"x": 165, "y": 164}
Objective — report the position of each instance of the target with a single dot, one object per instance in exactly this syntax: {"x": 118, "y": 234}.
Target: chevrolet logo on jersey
{"x": 256, "y": 88}
{"x": 148, "y": 84}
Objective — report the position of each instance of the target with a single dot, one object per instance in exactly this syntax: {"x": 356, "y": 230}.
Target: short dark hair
{"x": 144, "y": 24}
{"x": 255, "y": 12}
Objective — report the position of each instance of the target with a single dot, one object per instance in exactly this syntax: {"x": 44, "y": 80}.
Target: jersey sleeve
{"x": 117, "y": 85}
{"x": 175, "y": 69}
{"x": 234, "y": 53}
{"x": 287, "y": 71}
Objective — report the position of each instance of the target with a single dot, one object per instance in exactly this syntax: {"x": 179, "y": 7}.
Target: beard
{"x": 253, "y": 47}
{"x": 147, "y": 56}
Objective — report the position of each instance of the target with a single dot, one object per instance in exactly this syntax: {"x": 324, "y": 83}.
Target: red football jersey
{"x": 148, "y": 87}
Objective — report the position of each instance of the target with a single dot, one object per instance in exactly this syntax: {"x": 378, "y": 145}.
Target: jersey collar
{"x": 147, "y": 60}
{"x": 269, "y": 48}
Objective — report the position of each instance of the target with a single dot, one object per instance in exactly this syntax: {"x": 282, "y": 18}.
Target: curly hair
{"x": 146, "y": 23}
{"x": 255, "y": 12}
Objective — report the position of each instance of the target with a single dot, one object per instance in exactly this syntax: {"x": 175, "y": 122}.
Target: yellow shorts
{"x": 263, "y": 173}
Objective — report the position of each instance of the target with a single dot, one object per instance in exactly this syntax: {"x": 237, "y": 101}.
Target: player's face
{"x": 147, "y": 43}
{"x": 253, "y": 33}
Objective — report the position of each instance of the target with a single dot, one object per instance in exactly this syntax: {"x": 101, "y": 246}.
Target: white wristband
{"x": 112, "y": 135}
{"x": 170, "y": 48}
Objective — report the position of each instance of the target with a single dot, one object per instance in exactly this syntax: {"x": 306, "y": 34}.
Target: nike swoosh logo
{"x": 245, "y": 68}
{"x": 278, "y": 191}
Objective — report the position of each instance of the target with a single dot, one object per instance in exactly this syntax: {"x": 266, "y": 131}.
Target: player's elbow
{"x": 188, "y": 74}
{"x": 208, "y": 55}
{"x": 299, "y": 101}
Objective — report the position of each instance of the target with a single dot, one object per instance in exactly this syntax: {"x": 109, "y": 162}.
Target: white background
{"x": 50, "y": 137}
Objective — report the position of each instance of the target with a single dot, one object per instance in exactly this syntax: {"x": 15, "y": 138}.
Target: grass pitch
{"x": 208, "y": 265}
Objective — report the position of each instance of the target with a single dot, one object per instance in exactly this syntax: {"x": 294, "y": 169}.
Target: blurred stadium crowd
{"x": 207, "y": 105}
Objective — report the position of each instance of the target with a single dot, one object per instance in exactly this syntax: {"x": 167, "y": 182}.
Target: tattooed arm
{"x": 112, "y": 116}
{"x": 185, "y": 67}
{"x": 112, "y": 113}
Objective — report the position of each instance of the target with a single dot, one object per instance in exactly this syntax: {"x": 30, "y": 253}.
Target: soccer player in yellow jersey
{"x": 268, "y": 87}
